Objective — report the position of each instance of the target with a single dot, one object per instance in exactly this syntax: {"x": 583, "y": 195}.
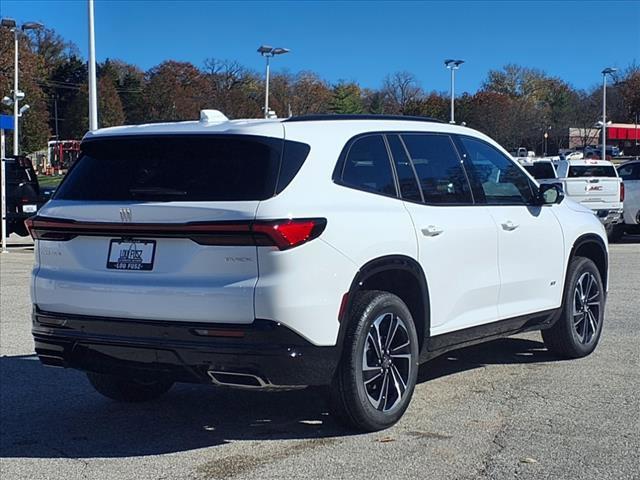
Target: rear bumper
{"x": 182, "y": 351}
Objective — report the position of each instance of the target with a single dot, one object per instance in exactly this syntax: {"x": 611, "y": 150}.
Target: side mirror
{"x": 550, "y": 194}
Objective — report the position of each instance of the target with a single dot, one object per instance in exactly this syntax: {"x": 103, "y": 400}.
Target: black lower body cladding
{"x": 181, "y": 351}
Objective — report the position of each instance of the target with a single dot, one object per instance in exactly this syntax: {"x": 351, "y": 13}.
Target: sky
{"x": 359, "y": 41}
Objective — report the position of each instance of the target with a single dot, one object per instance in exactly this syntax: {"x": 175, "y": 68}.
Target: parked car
{"x": 596, "y": 185}
{"x": 23, "y": 193}
{"x": 323, "y": 250}
{"x": 630, "y": 174}
{"x": 571, "y": 155}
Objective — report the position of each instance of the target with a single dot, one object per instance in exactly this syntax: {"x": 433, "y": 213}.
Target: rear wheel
{"x": 379, "y": 367}
{"x": 125, "y": 389}
{"x": 577, "y": 332}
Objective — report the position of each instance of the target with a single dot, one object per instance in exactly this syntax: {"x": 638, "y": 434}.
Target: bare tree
{"x": 401, "y": 90}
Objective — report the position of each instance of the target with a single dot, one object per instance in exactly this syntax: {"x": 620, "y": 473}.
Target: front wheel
{"x": 124, "y": 389}
{"x": 379, "y": 367}
{"x": 577, "y": 332}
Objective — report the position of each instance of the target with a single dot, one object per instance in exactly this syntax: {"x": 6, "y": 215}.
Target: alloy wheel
{"x": 386, "y": 362}
{"x": 586, "y": 308}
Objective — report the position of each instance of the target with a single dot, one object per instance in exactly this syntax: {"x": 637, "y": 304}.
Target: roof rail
{"x": 336, "y": 116}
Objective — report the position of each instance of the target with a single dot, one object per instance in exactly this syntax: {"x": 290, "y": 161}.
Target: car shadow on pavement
{"x": 504, "y": 351}
{"x": 55, "y": 413}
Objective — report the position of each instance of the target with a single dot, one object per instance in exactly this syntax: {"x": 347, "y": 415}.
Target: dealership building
{"x": 625, "y": 136}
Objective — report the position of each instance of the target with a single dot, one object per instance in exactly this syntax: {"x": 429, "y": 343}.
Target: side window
{"x": 438, "y": 168}
{"x": 367, "y": 166}
{"x": 406, "y": 176}
{"x": 630, "y": 172}
{"x": 503, "y": 183}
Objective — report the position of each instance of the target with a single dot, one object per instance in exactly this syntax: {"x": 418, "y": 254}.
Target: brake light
{"x": 283, "y": 234}
{"x": 290, "y": 233}
{"x": 45, "y": 230}
{"x": 622, "y": 191}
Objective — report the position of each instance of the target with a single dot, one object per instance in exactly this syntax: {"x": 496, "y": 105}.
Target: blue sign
{"x": 6, "y": 122}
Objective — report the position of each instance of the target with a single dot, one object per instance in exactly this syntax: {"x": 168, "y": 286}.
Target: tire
{"x": 360, "y": 398}
{"x": 615, "y": 233}
{"x": 123, "y": 389}
{"x": 577, "y": 331}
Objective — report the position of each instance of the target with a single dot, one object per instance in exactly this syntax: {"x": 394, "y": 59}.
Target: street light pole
{"x": 10, "y": 23}
{"x": 605, "y": 72}
{"x": 16, "y": 109}
{"x": 453, "y": 65}
{"x": 93, "y": 96}
{"x": 268, "y": 52}
{"x": 266, "y": 89}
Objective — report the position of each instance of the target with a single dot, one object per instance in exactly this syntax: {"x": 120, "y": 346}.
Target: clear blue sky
{"x": 361, "y": 41}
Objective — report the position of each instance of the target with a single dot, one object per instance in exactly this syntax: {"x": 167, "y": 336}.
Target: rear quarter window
{"x": 183, "y": 168}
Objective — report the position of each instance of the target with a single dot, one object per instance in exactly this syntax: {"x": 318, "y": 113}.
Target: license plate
{"x": 29, "y": 208}
{"x": 131, "y": 254}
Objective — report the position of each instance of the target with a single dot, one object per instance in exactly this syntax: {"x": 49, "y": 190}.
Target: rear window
{"x": 541, "y": 170}
{"x": 592, "y": 171}
{"x": 183, "y": 168}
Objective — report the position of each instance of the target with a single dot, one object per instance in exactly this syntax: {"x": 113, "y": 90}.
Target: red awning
{"x": 619, "y": 131}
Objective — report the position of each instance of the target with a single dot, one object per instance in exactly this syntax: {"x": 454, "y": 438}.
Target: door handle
{"x": 509, "y": 226}
{"x": 432, "y": 231}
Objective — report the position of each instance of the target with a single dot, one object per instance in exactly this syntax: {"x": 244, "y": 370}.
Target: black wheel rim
{"x": 386, "y": 362}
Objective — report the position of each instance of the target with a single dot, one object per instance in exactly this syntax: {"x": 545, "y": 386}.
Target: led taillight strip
{"x": 284, "y": 234}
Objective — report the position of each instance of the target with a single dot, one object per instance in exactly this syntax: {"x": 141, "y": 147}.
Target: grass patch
{"x": 49, "y": 181}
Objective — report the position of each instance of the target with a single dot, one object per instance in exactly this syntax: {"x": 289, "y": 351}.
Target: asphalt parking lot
{"x": 505, "y": 409}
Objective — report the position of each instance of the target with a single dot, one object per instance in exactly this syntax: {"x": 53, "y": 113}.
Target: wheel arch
{"x": 398, "y": 274}
{"x": 592, "y": 246}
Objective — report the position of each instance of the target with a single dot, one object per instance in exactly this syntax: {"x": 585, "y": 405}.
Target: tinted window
{"x": 630, "y": 172}
{"x": 367, "y": 166}
{"x": 180, "y": 168}
{"x": 501, "y": 180}
{"x": 592, "y": 171}
{"x": 541, "y": 170}
{"x": 438, "y": 167}
{"x": 406, "y": 177}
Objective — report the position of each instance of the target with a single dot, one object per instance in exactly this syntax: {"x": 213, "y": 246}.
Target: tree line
{"x": 515, "y": 105}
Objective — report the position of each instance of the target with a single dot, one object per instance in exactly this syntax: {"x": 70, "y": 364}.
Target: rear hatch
{"x": 22, "y": 187}
{"x": 595, "y": 185}
{"x": 159, "y": 227}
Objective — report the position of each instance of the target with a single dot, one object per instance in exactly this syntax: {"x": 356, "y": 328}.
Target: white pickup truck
{"x": 630, "y": 174}
{"x": 595, "y": 184}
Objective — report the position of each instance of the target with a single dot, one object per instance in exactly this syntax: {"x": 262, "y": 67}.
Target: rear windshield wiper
{"x": 157, "y": 191}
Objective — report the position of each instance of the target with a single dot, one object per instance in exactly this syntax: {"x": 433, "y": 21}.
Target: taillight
{"x": 283, "y": 234}
{"x": 622, "y": 191}
{"x": 45, "y": 230}
{"x": 286, "y": 234}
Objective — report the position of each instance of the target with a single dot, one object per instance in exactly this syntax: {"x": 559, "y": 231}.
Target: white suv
{"x": 321, "y": 250}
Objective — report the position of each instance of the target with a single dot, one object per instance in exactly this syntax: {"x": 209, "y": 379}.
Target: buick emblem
{"x": 125, "y": 215}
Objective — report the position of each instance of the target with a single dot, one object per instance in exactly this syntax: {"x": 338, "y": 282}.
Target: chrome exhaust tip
{"x": 246, "y": 381}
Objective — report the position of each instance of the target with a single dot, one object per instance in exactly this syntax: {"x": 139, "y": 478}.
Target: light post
{"x": 605, "y": 72}
{"x": 93, "y": 95}
{"x": 453, "y": 65}
{"x": 268, "y": 52}
{"x": 10, "y": 23}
